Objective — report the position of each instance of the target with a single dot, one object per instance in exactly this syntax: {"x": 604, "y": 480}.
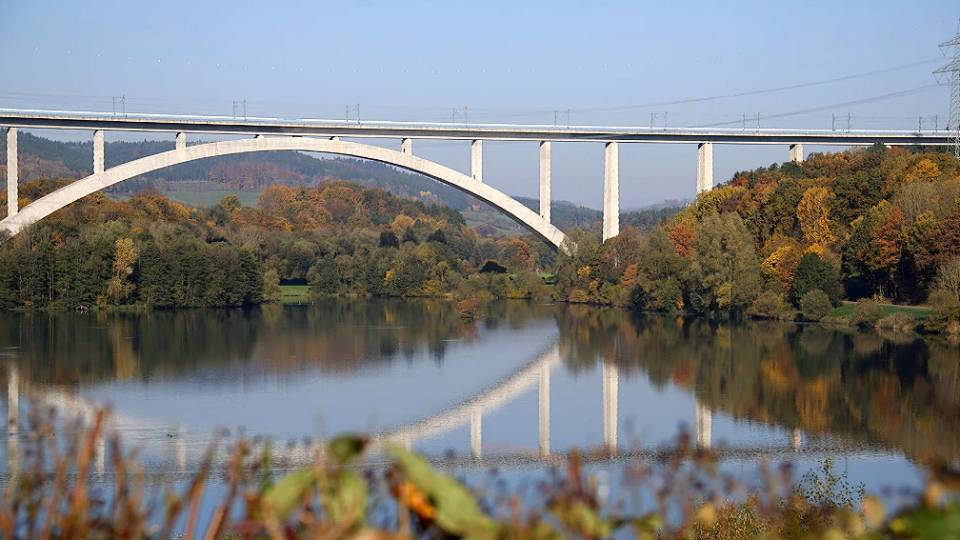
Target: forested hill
{"x": 250, "y": 173}
{"x": 44, "y": 158}
{"x": 337, "y": 237}
{"x": 877, "y": 222}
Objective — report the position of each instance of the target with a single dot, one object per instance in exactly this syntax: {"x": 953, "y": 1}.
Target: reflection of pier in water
{"x": 471, "y": 411}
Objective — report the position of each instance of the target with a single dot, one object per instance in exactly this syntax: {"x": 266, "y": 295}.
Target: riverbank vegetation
{"x": 790, "y": 241}
{"x": 680, "y": 493}
{"x": 336, "y": 239}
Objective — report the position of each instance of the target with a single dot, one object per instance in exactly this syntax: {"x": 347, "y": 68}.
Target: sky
{"x": 608, "y": 63}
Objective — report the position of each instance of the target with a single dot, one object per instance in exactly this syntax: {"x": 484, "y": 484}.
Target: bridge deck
{"x": 226, "y": 125}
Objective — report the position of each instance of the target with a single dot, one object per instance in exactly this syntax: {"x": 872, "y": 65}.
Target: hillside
{"x": 871, "y": 223}
{"x": 203, "y": 183}
{"x": 337, "y": 237}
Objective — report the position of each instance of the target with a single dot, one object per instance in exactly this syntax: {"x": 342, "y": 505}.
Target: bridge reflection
{"x": 185, "y": 448}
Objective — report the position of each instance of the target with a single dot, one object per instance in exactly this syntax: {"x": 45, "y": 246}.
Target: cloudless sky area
{"x": 610, "y": 63}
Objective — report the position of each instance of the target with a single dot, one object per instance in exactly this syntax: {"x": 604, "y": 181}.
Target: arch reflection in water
{"x": 757, "y": 387}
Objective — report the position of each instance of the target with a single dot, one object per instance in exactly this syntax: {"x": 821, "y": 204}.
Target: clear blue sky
{"x": 506, "y": 61}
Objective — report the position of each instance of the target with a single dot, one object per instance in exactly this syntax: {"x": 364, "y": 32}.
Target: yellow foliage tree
{"x": 813, "y": 211}
{"x": 782, "y": 264}
{"x": 125, "y": 255}
{"x": 924, "y": 170}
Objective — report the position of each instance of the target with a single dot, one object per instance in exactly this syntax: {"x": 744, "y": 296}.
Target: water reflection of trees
{"x": 338, "y": 336}
{"x": 895, "y": 391}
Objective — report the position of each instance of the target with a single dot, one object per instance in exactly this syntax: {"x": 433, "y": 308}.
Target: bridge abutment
{"x": 611, "y": 190}
{"x": 796, "y": 153}
{"x": 545, "y": 171}
{"x": 476, "y": 160}
{"x": 13, "y": 172}
{"x": 704, "y": 167}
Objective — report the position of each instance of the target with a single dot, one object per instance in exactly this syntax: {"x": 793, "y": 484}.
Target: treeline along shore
{"x": 879, "y": 226}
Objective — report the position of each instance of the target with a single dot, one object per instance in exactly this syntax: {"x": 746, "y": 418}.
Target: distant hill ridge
{"x": 44, "y": 158}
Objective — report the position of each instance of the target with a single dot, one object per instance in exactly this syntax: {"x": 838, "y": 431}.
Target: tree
{"x": 813, "y": 212}
{"x": 813, "y": 273}
{"x": 948, "y": 277}
{"x": 725, "y": 273}
{"x": 125, "y": 255}
{"x": 389, "y": 238}
{"x": 271, "y": 286}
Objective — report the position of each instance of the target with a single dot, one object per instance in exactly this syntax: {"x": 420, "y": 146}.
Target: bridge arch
{"x": 50, "y": 203}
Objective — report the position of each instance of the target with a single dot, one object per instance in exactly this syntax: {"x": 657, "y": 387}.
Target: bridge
{"x": 319, "y": 135}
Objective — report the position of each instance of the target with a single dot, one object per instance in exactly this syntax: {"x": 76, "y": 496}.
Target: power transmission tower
{"x": 950, "y": 74}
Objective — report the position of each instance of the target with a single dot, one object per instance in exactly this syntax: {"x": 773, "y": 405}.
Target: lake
{"x": 515, "y": 390}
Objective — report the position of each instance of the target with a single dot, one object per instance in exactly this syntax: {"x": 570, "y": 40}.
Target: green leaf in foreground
{"x": 283, "y": 496}
{"x": 458, "y": 512}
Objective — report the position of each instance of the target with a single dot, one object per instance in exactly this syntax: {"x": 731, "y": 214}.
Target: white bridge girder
{"x": 102, "y": 179}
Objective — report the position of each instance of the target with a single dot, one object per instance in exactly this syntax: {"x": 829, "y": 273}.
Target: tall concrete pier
{"x": 13, "y": 172}
{"x": 611, "y": 190}
{"x": 545, "y": 171}
{"x": 476, "y": 160}
{"x": 796, "y": 153}
{"x": 98, "y": 159}
{"x": 704, "y": 167}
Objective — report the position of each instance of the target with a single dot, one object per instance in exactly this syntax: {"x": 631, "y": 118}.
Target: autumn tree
{"x": 813, "y": 213}
{"x": 125, "y": 256}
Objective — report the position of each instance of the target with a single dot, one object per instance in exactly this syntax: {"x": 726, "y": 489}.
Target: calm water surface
{"x": 525, "y": 383}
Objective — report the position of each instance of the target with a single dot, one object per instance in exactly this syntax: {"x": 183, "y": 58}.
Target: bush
{"x": 815, "y": 305}
{"x": 769, "y": 305}
{"x": 898, "y": 322}
{"x": 867, "y": 313}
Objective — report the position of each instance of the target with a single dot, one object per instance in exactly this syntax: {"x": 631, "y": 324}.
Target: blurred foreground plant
{"x": 339, "y": 497}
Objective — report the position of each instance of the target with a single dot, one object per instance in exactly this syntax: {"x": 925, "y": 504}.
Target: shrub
{"x": 578, "y": 296}
{"x": 867, "y": 313}
{"x": 898, "y": 322}
{"x": 769, "y": 305}
{"x": 815, "y": 305}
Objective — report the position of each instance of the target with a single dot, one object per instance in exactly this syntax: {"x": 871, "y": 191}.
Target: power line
{"x": 863, "y": 101}
{"x": 950, "y": 73}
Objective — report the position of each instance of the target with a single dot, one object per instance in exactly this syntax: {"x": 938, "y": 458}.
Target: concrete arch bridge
{"x": 320, "y": 135}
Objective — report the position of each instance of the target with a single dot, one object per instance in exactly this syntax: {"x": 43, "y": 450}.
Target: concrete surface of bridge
{"x": 318, "y": 135}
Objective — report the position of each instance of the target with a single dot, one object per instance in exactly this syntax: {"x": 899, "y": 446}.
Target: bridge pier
{"x": 13, "y": 172}
{"x": 476, "y": 433}
{"x": 704, "y": 167}
{"x": 796, "y": 153}
{"x": 611, "y": 190}
{"x": 796, "y": 439}
{"x": 476, "y": 160}
{"x": 611, "y": 388}
{"x": 98, "y": 151}
{"x": 406, "y": 146}
{"x": 181, "y": 143}
{"x": 13, "y": 398}
{"x": 704, "y": 420}
{"x": 13, "y": 420}
{"x": 545, "y": 170}
{"x": 544, "y": 411}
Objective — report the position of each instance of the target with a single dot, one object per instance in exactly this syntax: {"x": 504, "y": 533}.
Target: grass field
{"x": 917, "y": 312}
{"x": 204, "y": 199}
{"x": 294, "y": 294}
